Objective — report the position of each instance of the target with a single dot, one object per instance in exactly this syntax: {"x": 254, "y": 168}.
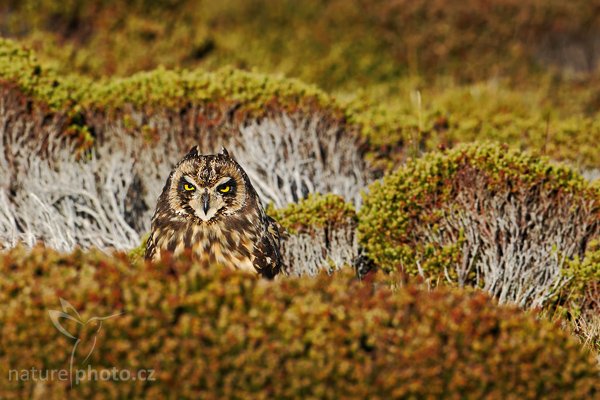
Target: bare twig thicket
{"x": 288, "y": 158}
{"x": 105, "y": 198}
{"x": 514, "y": 243}
{"x": 331, "y": 247}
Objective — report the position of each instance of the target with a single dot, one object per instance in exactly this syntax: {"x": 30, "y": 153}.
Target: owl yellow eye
{"x": 225, "y": 189}
{"x": 188, "y": 188}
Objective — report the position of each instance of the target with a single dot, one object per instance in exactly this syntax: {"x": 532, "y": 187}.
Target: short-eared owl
{"x": 208, "y": 205}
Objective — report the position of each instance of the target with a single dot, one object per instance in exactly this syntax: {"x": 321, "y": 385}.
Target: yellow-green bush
{"x": 217, "y": 102}
{"x": 159, "y": 88}
{"x": 390, "y": 131}
{"x": 315, "y": 212}
{"x": 578, "y": 300}
{"x": 318, "y": 233}
{"x": 539, "y": 120}
{"x": 555, "y": 119}
{"x": 583, "y": 290}
{"x": 449, "y": 208}
{"x": 313, "y": 40}
{"x": 214, "y": 333}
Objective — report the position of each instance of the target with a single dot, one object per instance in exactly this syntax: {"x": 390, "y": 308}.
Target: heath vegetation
{"x": 433, "y": 166}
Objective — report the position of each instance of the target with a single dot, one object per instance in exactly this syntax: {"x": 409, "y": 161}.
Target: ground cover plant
{"x": 214, "y": 333}
{"x": 314, "y": 41}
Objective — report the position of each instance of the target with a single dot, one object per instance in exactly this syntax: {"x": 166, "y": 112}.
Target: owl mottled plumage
{"x": 208, "y": 205}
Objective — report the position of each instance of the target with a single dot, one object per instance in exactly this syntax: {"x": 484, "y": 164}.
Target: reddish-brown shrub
{"x": 213, "y": 333}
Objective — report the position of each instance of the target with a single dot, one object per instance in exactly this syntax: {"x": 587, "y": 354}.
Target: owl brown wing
{"x": 268, "y": 260}
{"x": 150, "y": 247}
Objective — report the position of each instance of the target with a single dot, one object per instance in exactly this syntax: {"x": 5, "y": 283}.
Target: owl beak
{"x": 205, "y": 202}
{"x": 204, "y": 208}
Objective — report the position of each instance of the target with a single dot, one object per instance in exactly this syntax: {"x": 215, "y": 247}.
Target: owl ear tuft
{"x": 224, "y": 152}
{"x": 194, "y": 151}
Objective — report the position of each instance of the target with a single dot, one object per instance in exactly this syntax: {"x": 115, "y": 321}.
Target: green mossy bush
{"x": 391, "y": 131}
{"x": 555, "y": 119}
{"x": 317, "y": 211}
{"x": 416, "y": 218}
{"x": 582, "y": 292}
{"x": 578, "y": 300}
{"x": 19, "y": 66}
{"x": 158, "y": 88}
{"x": 318, "y": 233}
{"x": 201, "y": 101}
{"x": 215, "y": 333}
{"x": 334, "y": 44}
{"x": 539, "y": 120}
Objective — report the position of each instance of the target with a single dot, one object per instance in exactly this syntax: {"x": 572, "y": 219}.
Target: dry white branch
{"x": 331, "y": 249}
{"x": 514, "y": 245}
{"x": 287, "y": 158}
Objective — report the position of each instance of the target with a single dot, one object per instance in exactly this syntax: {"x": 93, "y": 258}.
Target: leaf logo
{"x": 70, "y": 313}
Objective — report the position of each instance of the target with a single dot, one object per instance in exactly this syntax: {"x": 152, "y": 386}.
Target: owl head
{"x": 208, "y": 187}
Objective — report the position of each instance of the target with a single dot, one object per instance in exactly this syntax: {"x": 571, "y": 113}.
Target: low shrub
{"x": 200, "y": 101}
{"x": 550, "y": 119}
{"x": 317, "y": 211}
{"x": 557, "y": 119}
{"x": 320, "y": 233}
{"x": 215, "y": 333}
{"x": 579, "y": 299}
{"x": 200, "y": 107}
{"x": 250, "y": 92}
{"x": 482, "y": 215}
{"x": 314, "y": 41}
{"x": 209, "y": 107}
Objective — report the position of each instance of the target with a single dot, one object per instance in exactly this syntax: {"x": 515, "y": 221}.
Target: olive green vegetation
{"x": 334, "y": 44}
{"x": 578, "y": 300}
{"x": 550, "y": 120}
{"x": 216, "y": 333}
{"x": 417, "y": 120}
{"x": 415, "y": 193}
{"x": 581, "y": 295}
{"x": 159, "y": 88}
{"x": 315, "y": 212}
{"x": 405, "y": 216}
{"x": 137, "y": 254}
{"x": 226, "y": 95}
